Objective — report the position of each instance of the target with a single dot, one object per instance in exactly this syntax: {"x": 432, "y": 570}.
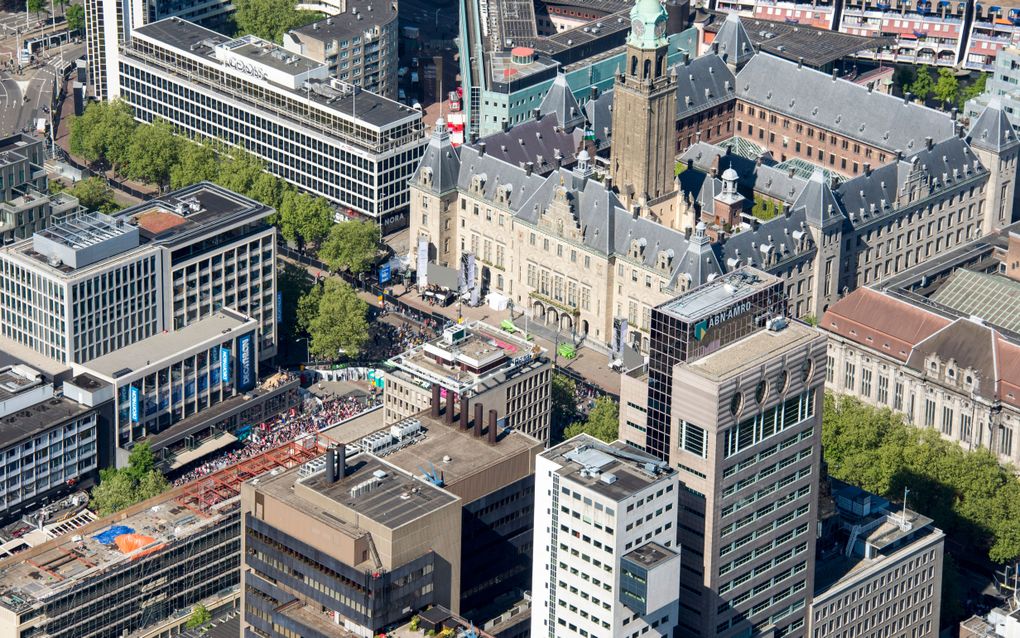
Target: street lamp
{"x": 307, "y": 351}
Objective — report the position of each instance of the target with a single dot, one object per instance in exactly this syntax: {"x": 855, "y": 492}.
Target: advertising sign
{"x": 246, "y": 362}
{"x": 136, "y": 401}
{"x": 224, "y": 364}
{"x": 384, "y": 274}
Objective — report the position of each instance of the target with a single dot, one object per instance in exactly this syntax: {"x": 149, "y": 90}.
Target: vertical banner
{"x": 619, "y": 336}
{"x": 224, "y": 364}
{"x": 136, "y": 404}
{"x": 246, "y": 362}
{"x": 423, "y": 262}
{"x": 279, "y": 306}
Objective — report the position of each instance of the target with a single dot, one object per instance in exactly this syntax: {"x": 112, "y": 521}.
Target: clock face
{"x": 638, "y": 27}
{"x": 660, "y": 29}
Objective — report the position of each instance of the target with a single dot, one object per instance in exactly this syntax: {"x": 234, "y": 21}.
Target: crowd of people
{"x": 282, "y": 429}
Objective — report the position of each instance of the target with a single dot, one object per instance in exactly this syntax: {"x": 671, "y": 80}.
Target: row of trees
{"x": 109, "y": 138}
{"x": 943, "y": 85}
{"x": 335, "y": 319}
{"x": 966, "y": 492}
{"x": 138, "y": 481}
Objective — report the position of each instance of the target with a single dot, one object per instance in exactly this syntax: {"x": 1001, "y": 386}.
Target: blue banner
{"x": 246, "y": 362}
{"x": 384, "y": 274}
{"x": 136, "y": 400}
{"x": 279, "y": 306}
{"x": 224, "y": 364}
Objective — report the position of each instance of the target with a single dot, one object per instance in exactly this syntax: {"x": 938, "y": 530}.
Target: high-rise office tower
{"x": 732, "y": 400}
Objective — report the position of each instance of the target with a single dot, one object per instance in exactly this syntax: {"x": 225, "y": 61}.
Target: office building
{"x": 390, "y": 524}
{"x": 731, "y": 398}
{"x": 1004, "y": 66}
{"x": 94, "y": 284}
{"x": 879, "y": 570}
{"x": 109, "y": 23}
{"x": 606, "y": 559}
{"x": 327, "y": 137}
{"x": 140, "y": 566}
{"x": 468, "y": 365}
{"x": 359, "y": 44}
{"x": 50, "y": 443}
{"x": 25, "y": 202}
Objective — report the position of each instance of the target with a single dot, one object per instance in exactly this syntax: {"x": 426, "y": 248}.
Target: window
{"x": 883, "y": 389}
{"x": 1006, "y": 440}
{"x": 965, "y": 427}
{"x": 830, "y": 369}
{"x": 848, "y": 376}
{"x": 866, "y": 382}
{"x": 898, "y": 396}
{"x": 947, "y": 420}
{"x": 929, "y": 413}
{"x": 693, "y": 439}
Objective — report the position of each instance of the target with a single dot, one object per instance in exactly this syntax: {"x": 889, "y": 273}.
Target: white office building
{"x": 329, "y": 138}
{"x": 605, "y": 557}
{"x": 94, "y": 284}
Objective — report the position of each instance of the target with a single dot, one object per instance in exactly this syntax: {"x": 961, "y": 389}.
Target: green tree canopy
{"x": 196, "y": 162}
{"x": 351, "y": 246}
{"x": 308, "y": 308}
{"x": 200, "y": 616}
{"x": 972, "y": 90}
{"x": 340, "y": 323}
{"x": 154, "y": 151}
{"x": 270, "y": 19}
{"x": 103, "y": 134}
{"x": 75, "y": 15}
{"x": 603, "y": 421}
{"x": 37, "y": 6}
{"x": 947, "y": 87}
{"x": 94, "y": 194}
{"x": 966, "y": 492}
{"x": 304, "y": 218}
{"x": 239, "y": 169}
{"x": 564, "y": 402}
{"x": 121, "y": 488}
{"x": 923, "y": 86}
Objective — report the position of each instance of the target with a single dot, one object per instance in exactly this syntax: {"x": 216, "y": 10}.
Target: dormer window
{"x": 934, "y": 367}
{"x": 951, "y": 373}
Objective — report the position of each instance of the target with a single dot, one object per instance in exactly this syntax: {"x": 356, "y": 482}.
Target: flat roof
{"x": 650, "y": 555}
{"x": 585, "y": 460}
{"x": 348, "y": 23}
{"x": 12, "y": 352}
{"x": 754, "y": 349}
{"x": 372, "y": 488}
{"x": 15, "y": 380}
{"x": 40, "y": 417}
{"x": 719, "y": 293}
{"x": 270, "y": 54}
{"x": 196, "y": 41}
{"x": 85, "y": 230}
{"x": 165, "y": 345}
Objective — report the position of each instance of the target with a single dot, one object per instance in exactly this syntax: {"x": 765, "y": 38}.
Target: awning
{"x": 208, "y": 447}
{"x": 443, "y": 277}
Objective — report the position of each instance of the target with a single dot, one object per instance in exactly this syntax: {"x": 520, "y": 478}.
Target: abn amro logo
{"x": 700, "y": 329}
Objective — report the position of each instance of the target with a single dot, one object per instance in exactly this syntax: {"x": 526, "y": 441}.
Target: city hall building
{"x": 326, "y": 137}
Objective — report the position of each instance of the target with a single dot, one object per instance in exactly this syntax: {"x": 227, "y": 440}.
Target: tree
{"x": 36, "y": 7}
{"x": 972, "y": 90}
{"x": 270, "y": 19}
{"x": 196, "y": 162}
{"x": 351, "y": 246}
{"x": 603, "y": 421}
{"x": 94, "y": 194}
{"x": 340, "y": 325}
{"x": 153, "y": 153}
{"x": 103, "y": 134}
{"x": 121, "y": 488}
{"x": 903, "y": 77}
{"x": 308, "y": 308}
{"x": 239, "y": 169}
{"x": 947, "y": 87}
{"x": 923, "y": 86}
{"x": 564, "y": 402}
{"x": 268, "y": 189}
{"x": 304, "y": 218}
{"x": 75, "y": 15}
{"x": 200, "y": 616}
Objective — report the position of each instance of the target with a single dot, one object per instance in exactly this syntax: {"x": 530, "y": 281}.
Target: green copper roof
{"x": 647, "y": 25}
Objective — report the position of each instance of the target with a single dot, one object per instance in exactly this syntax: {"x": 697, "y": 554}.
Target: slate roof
{"x": 937, "y": 164}
{"x": 969, "y": 344}
{"x": 702, "y": 83}
{"x": 846, "y": 108}
{"x": 991, "y": 130}
{"x": 763, "y": 176}
{"x": 732, "y": 43}
{"x": 880, "y": 322}
{"x": 818, "y": 203}
{"x": 528, "y": 141}
{"x": 599, "y": 113}
{"x": 559, "y": 100}
{"x": 441, "y": 158}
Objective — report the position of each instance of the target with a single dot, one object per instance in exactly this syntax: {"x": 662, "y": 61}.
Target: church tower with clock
{"x": 644, "y": 112}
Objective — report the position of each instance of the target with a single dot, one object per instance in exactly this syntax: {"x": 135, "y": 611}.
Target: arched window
{"x": 658, "y": 65}
{"x": 633, "y": 65}
{"x": 648, "y": 69}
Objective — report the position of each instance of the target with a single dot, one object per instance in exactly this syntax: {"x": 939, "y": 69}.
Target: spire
{"x": 732, "y": 42}
{"x": 440, "y": 163}
{"x": 560, "y": 100}
{"x": 820, "y": 206}
{"x": 648, "y": 25}
{"x": 992, "y": 130}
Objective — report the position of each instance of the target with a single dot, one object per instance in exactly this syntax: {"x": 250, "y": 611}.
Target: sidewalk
{"x": 590, "y": 364}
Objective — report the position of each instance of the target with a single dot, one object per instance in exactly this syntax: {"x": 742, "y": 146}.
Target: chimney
{"x": 464, "y": 418}
{"x": 492, "y": 426}
{"x": 536, "y": 113}
{"x": 800, "y": 63}
{"x": 871, "y": 87}
{"x": 331, "y": 474}
{"x": 506, "y": 125}
{"x": 867, "y": 169}
{"x": 608, "y": 183}
{"x": 929, "y": 143}
{"x": 436, "y": 398}
{"x": 635, "y": 211}
{"x": 481, "y": 149}
{"x": 594, "y": 93}
{"x": 479, "y": 417}
{"x": 448, "y": 415}
{"x": 834, "y": 74}
{"x": 687, "y": 58}
{"x": 907, "y": 97}
{"x": 529, "y": 168}
{"x": 954, "y": 113}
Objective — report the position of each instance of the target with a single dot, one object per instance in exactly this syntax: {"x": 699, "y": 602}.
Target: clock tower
{"x": 644, "y": 111}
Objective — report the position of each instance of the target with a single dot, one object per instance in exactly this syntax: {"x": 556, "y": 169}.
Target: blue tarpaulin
{"x": 107, "y": 537}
